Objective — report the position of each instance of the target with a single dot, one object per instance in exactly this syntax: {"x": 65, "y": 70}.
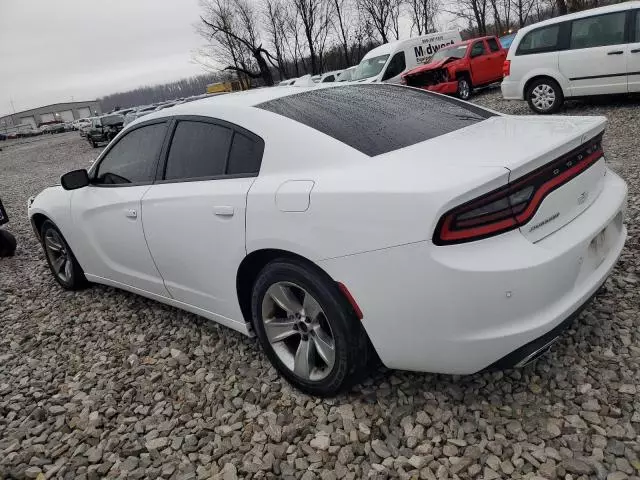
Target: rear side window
{"x": 133, "y": 159}
{"x": 541, "y": 40}
{"x": 376, "y": 119}
{"x": 598, "y": 31}
{"x": 493, "y": 45}
{"x": 245, "y": 155}
{"x": 198, "y": 150}
{"x": 396, "y": 66}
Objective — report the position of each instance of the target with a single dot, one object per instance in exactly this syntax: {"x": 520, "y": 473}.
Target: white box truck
{"x": 387, "y": 62}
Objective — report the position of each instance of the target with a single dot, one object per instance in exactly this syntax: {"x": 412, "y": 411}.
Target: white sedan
{"x": 348, "y": 223}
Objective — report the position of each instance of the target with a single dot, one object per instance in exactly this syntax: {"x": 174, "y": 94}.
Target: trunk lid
{"x": 525, "y": 144}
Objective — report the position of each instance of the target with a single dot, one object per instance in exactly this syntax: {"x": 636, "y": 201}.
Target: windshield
{"x": 453, "y": 52}
{"x": 369, "y": 67}
{"x": 112, "y": 120}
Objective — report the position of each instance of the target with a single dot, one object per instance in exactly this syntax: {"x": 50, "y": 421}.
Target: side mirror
{"x": 75, "y": 179}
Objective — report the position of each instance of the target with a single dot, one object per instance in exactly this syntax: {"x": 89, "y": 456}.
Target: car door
{"x": 595, "y": 61}
{"x": 480, "y": 62}
{"x": 496, "y": 59}
{"x": 108, "y": 240}
{"x": 194, "y": 216}
{"x": 633, "y": 53}
{"x": 396, "y": 66}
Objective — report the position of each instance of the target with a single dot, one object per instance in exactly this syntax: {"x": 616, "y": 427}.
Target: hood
{"x": 432, "y": 66}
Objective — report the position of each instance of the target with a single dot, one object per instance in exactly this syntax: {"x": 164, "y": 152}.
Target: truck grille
{"x": 428, "y": 78}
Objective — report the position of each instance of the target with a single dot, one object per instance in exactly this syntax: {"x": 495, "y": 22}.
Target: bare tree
{"x": 315, "y": 19}
{"x": 342, "y": 25}
{"x": 379, "y": 13}
{"x": 276, "y": 30}
{"x": 522, "y": 8}
{"x": 423, "y": 15}
{"x": 475, "y": 12}
{"x": 394, "y": 16}
{"x": 232, "y": 24}
{"x": 501, "y": 15}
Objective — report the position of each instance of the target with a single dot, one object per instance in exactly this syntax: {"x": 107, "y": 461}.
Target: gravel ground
{"x": 103, "y": 383}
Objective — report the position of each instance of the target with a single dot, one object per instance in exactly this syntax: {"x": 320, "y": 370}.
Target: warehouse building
{"x": 59, "y": 112}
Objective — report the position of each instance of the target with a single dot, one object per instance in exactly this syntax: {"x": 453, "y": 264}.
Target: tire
{"x": 464, "y": 88}
{"x": 69, "y": 274}
{"x": 544, "y": 96}
{"x": 334, "y": 324}
{"x": 7, "y": 244}
{"x": 94, "y": 144}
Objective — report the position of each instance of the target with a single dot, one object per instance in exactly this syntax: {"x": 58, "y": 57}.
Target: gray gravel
{"x": 102, "y": 383}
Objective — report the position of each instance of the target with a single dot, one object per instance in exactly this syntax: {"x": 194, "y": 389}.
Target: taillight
{"x": 513, "y": 205}
{"x": 506, "y": 68}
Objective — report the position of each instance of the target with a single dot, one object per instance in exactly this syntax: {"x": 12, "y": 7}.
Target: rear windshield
{"x": 377, "y": 119}
{"x": 112, "y": 120}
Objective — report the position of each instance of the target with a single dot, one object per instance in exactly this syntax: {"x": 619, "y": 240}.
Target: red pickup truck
{"x": 460, "y": 68}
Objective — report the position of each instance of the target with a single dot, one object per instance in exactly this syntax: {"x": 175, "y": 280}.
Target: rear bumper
{"x": 447, "y": 87}
{"x": 511, "y": 90}
{"x": 461, "y": 308}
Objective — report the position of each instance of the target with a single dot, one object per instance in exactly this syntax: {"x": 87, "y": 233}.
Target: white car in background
{"x": 593, "y": 52}
{"x": 346, "y": 222}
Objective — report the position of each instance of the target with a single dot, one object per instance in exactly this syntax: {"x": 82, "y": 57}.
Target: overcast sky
{"x": 53, "y": 50}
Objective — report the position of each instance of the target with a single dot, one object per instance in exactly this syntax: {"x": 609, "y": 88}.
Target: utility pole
{"x": 13, "y": 119}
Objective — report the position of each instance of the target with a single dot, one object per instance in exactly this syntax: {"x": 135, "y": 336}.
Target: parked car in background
{"x": 56, "y": 128}
{"x": 346, "y": 75}
{"x": 286, "y": 83}
{"x": 326, "y": 77}
{"x": 593, "y": 52}
{"x": 460, "y": 68}
{"x": 81, "y": 125}
{"x": 104, "y": 128}
{"x": 474, "y": 262}
{"x": 389, "y": 61}
{"x": 507, "y": 40}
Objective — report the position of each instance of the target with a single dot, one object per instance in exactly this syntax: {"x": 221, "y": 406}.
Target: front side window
{"x": 477, "y": 49}
{"x": 540, "y": 40}
{"x": 329, "y": 78}
{"x": 133, "y": 159}
{"x": 198, "y": 150}
{"x": 493, "y": 45}
{"x": 598, "y": 31}
{"x": 396, "y": 66}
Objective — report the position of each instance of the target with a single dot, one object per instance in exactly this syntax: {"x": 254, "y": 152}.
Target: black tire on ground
{"x": 76, "y": 279}
{"x": 465, "y": 87}
{"x": 94, "y": 144}
{"x": 353, "y": 352}
{"x": 7, "y": 244}
{"x": 544, "y": 96}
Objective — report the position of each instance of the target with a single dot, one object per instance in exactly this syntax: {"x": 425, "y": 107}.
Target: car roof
{"x": 618, "y": 7}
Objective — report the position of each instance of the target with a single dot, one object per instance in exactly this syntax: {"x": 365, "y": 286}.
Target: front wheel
{"x": 307, "y": 329}
{"x": 62, "y": 262}
{"x": 544, "y": 96}
{"x": 7, "y": 243}
{"x": 464, "y": 88}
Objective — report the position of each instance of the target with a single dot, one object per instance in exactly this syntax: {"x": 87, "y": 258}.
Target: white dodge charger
{"x": 346, "y": 224}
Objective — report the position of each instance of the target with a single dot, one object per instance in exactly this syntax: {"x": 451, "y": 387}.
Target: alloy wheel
{"x": 58, "y": 255}
{"x": 298, "y": 331}
{"x": 543, "y": 97}
{"x": 464, "y": 89}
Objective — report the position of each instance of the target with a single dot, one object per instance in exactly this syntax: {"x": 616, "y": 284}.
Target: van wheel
{"x": 464, "y": 88}
{"x": 544, "y": 95}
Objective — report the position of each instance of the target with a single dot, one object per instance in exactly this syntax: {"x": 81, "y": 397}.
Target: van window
{"x": 396, "y": 66}
{"x": 540, "y": 40}
{"x": 637, "y": 37}
{"x": 598, "y": 31}
{"x": 369, "y": 67}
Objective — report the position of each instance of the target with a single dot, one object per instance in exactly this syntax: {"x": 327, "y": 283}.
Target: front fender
{"x": 55, "y": 204}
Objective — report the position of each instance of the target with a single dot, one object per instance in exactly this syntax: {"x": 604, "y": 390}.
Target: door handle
{"x": 223, "y": 211}
{"x": 635, "y": 50}
{"x": 131, "y": 213}
{"x": 615, "y": 52}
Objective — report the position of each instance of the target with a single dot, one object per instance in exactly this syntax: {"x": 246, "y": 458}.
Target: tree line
{"x": 263, "y": 41}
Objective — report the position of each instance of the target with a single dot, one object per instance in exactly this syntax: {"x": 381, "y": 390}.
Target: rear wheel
{"x": 62, "y": 262}
{"x": 464, "y": 88}
{"x": 7, "y": 244}
{"x": 307, "y": 329}
{"x": 544, "y": 95}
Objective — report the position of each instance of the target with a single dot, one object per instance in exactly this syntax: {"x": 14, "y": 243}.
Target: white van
{"x": 387, "y": 62}
{"x": 593, "y": 52}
